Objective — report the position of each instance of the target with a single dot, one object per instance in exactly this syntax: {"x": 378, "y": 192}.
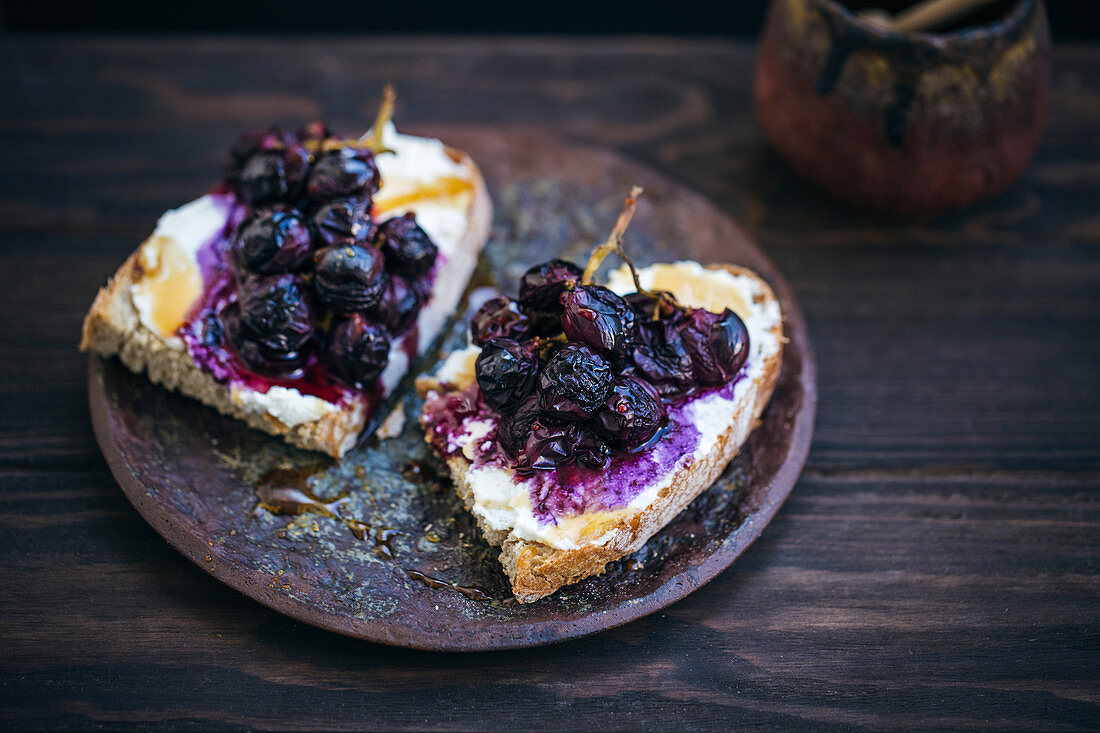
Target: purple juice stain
{"x": 570, "y": 490}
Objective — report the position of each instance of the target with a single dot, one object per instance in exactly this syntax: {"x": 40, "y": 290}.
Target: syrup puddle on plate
{"x": 470, "y": 591}
{"x": 287, "y": 492}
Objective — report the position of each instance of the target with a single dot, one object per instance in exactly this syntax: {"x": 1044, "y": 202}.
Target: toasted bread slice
{"x": 114, "y": 326}
{"x": 541, "y": 559}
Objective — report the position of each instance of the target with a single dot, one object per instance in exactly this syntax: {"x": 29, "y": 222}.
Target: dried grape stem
{"x": 630, "y": 264}
{"x": 328, "y": 146}
{"x": 373, "y": 143}
{"x": 614, "y": 242}
{"x": 385, "y": 112}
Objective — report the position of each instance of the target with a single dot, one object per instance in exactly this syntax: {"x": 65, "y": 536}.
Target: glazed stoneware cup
{"x": 906, "y": 124}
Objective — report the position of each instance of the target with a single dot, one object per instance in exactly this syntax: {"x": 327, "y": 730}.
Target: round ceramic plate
{"x": 412, "y": 570}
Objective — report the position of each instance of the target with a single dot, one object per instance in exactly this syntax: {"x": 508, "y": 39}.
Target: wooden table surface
{"x": 935, "y": 567}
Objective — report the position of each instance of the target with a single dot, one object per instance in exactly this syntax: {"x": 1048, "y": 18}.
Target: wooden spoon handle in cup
{"x": 925, "y": 15}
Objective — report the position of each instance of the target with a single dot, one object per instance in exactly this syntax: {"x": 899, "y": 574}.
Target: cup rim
{"x": 1000, "y": 27}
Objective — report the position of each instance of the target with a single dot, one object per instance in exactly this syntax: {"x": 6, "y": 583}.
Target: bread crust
{"x": 537, "y": 570}
{"x": 112, "y": 327}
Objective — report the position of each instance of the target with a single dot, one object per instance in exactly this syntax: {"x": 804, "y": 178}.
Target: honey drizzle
{"x": 173, "y": 284}
{"x": 472, "y": 592}
{"x": 443, "y": 187}
{"x": 286, "y": 492}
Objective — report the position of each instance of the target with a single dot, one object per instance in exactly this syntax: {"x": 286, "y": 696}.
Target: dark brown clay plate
{"x": 416, "y": 573}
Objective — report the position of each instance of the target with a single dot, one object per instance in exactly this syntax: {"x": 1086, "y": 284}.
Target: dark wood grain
{"x": 936, "y": 566}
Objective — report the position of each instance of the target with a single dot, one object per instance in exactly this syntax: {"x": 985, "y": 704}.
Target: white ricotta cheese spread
{"x": 285, "y": 404}
{"x": 418, "y": 160}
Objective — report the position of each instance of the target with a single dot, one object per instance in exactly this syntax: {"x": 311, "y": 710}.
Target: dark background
{"x": 1076, "y": 19}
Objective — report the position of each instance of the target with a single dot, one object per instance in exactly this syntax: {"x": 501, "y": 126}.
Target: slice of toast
{"x": 113, "y": 326}
{"x": 540, "y": 560}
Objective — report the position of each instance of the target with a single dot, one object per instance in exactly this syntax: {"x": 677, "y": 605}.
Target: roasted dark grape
{"x": 589, "y": 450}
{"x": 250, "y": 142}
{"x": 552, "y": 443}
{"x": 408, "y": 249}
{"x": 598, "y": 317}
{"x": 499, "y": 317}
{"x": 342, "y": 173}
{"x": 254, "y": 356}
{"x": 718, "y": 344}
{"x": 255, "y": 141}
{"x": 267, "y": 166}
{"x": 643, "y": 304}
{"x": 343, "y": 221}
{"x": 273, "y": 241}
{"x": 514, "y": 426}
{"x": 632, "y": 415}
{"x": 541, "y": 287}
{"x": 660, "y": 357}
{"x": 314, "y": 132}
{"x": 275, "y": 313}
{"x": 358, "y": 350}
{"x": 506, "y": 373}
{"x": 349, "y": 278}
{"x": 540, "y": 292}
{"x": 263, "y": 178}
{"x": 399, "y": 306}
{"x": 574, "y": 383}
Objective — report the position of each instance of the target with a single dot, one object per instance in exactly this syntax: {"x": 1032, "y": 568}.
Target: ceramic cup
{"x": 908, "y": 124}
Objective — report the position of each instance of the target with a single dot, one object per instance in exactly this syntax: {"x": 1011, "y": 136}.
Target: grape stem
{"x": 385, "y": 112}
{"x": 372, "y": 143}
{"x": 614, "y": 242}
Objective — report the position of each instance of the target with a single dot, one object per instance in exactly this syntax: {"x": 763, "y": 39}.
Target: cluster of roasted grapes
{"x": 578, "y": 373}
{"x": 315, "y": 274}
